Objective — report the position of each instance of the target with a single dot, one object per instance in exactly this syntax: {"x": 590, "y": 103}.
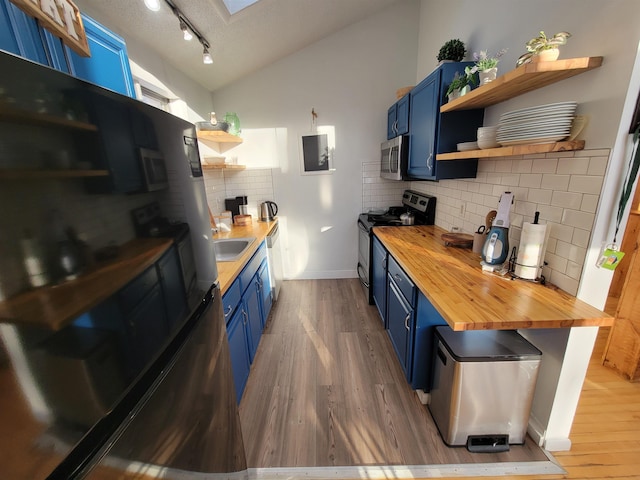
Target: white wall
{"x": 350, "y": 79}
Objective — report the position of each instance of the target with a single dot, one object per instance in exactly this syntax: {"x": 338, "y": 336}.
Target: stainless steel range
{"x": 420, "y": 209}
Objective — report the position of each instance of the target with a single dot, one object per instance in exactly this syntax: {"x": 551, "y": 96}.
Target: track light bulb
{"x": 185, "y": 31}
{"x": 153, "y": 5}
{"x": 206, "y": 56}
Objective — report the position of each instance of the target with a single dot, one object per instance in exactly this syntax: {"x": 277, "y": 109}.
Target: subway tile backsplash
{"x": 256, "y": 184}
{"x": 564, "y": 187}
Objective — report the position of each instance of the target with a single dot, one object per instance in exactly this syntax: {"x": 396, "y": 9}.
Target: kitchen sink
{"x": 231, "y": 249}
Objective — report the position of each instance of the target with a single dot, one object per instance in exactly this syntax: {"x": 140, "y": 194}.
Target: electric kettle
{"x": 268, "y": 211}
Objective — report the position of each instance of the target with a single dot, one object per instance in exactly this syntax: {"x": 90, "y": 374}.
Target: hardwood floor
{"x": 326, "y": 390}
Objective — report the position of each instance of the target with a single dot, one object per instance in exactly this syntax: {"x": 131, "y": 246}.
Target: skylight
{"x": 234, "y": 6}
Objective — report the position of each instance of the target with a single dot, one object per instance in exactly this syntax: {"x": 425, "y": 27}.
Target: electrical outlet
{"x": 463, "y": 208}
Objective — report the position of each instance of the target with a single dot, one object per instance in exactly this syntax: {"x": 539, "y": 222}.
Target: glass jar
{"x": 234, "y": 123}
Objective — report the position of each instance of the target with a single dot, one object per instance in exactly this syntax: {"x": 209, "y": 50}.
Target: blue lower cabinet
{"x": 427, "y": 318}
{"x": 400, "y": 321}
{"x": 240, "y": 365}
{"x": 265, "y": 291}
{"x": 379, "y": 278}
{"x": 251, "y": 306}
{"x": 108, "y": 65}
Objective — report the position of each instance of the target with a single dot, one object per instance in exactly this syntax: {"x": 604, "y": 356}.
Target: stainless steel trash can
{"x": 483, "y": 384}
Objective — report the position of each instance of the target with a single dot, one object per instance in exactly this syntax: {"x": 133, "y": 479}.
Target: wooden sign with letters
{"x": 60, "y": 17}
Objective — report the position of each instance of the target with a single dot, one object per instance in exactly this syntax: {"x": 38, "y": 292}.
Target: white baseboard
{"x": 557, "y": 444}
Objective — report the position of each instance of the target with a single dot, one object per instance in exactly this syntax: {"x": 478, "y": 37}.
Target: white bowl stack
{"x": 540, "y": 124}
{"x": 487, "y": 137}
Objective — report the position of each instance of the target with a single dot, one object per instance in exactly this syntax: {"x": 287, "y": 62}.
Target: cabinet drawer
{"x": 401, "y": 279}
{"x": 252, "y": 267}
{"x": 134, "y": 291}
{"x": 231, "y": 299}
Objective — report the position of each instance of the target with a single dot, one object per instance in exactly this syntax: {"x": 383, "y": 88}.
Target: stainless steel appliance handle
{"x": 397, "y": 278}
{"x": 430, "y": 161}
{"x": 406, "y": 321}
{"x": 362, "y": 227}
{"x": 228, "y": 311}
{"x": 360, "y": 267}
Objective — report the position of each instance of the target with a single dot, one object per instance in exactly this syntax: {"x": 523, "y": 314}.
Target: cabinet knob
{"x": 397, "y": 278}
{"x": 228, "y": 311}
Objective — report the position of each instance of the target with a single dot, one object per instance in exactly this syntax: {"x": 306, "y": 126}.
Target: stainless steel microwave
{"x": 154, "y": 171}
{"x": 394, "y": 155}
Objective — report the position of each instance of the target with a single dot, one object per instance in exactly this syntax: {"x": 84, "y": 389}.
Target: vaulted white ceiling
{"x": 240, "y": 44}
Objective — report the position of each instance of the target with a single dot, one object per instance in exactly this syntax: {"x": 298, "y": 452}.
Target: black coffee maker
{"x": 237, "y": 206}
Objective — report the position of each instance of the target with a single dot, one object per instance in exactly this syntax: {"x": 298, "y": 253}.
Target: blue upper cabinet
{"x": 21, "y": 35}
{"x": 398, "y": 118}
{"x": 108, "y": 65}
{"x": 432, "y": 132}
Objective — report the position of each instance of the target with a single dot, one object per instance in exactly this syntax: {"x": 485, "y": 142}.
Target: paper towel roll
{"x": 531, "y": 251}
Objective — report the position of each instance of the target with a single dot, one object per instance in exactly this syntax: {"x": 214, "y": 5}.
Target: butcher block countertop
{"x": 469, "y": 299}
{"x": 228, "y": 271}
{"x": 54, "y": 306}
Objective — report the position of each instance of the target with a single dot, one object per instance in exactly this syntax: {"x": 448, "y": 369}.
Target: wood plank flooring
{"x": 326, "y": 390}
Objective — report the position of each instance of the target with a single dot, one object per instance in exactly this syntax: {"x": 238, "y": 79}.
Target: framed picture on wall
{"x": 316, "y": 154}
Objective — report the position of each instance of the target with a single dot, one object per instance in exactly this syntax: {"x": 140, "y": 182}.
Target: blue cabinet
{"x": 21, "y": 35}
{"x": 379, "y": 278}
{"x": 431, "y": 132}
{"x": 108, "y": 65}
{"x": 266, "y": 295}
{"x": 240, "y": 364}
{"x": 247, "y": 303}
{"x": 398, "y": 118}
{"x": 410, "y": 318}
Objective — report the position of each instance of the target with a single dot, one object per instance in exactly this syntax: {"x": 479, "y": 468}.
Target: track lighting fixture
{"x": 206, "y": 56}
{"x": 189, "y": 31}
{"x": 185, "y": 31}
{"x": 153, "y": 5}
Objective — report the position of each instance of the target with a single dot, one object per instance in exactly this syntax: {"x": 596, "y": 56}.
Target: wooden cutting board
{"x": 463, "y": 240}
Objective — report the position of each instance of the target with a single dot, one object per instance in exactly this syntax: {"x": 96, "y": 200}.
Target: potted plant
{"x": 543, "y": 48}
{"x": 461, "y": 84}
{"x": 453, "y": 50}
{"x": 487, "y": 66}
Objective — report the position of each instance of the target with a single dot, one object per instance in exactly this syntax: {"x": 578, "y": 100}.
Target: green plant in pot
{"x": 486, "y": 65}
{"x": 453, "y": 50}
{"x": 461, "y": 84}
{"x": 543, "y": 48}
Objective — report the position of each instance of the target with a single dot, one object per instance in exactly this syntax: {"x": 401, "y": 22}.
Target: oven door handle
{"x": 360, "y": 267}
{"x": 362, "y": 227}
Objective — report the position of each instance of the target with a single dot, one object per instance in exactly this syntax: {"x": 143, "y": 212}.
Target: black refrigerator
{"x": 114, "y": 360}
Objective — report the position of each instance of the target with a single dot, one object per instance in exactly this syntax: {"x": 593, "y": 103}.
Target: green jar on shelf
{"x": 234, "y": 123}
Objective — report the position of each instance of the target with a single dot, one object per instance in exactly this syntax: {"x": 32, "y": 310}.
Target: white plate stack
{"x": 540, "y": 124}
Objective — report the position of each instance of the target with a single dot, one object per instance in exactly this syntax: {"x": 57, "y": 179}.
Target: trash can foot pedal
{"x": 488, "y": 443}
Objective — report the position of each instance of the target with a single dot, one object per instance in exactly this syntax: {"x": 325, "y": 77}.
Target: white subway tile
{"x": 585, "y": 184}
{"x": 555, "y": 182}
{"x": 573, "y": 166}
{"x": 566, "y": 283}
{"x": 598, "y": 166}
{"x": 503, "y": 165}
{"x": 550, "y": 214}
{"x": 560, "y": 232}
{"x": 593, "y": 153}
{"x": 581, "y": 237}
{"x": 571, "y": 252}
{"x": 551, "y": 244}
{"x": 522, "y": 166}
{"x": 567, "y": 200}
{"x": 574, "y": 270}
{"x": 544, "y": 165}
{"x": 560, "y": 154}
{"x": 512, "y": 179}
{"x": 531, "y": 180}
{"x": 556, "y": 262}
{"x": 526, "y": 209}
{"x": 539, "y": 196}
{"x": 485, "y": 165}
{"x": 589, "y": 203}
{"x": 575, "y": 218}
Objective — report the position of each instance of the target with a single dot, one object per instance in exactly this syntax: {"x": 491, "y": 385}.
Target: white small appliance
{"x": 496, "y": 247}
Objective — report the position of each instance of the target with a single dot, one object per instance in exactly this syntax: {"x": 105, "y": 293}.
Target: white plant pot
{"x": 459, "y": 92}
{"x": 487, "y": 76}
{"x": 546, "y": 55}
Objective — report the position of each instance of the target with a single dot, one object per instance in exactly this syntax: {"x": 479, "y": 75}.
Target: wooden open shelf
{"x": 32, "y": 118}
{"x": 223, "y": 166}
{"x": 219, "y": 140}
{"x": 513, "y": 150}
{"x": 14, "y": 174}
{"x": 525, "y": 78}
